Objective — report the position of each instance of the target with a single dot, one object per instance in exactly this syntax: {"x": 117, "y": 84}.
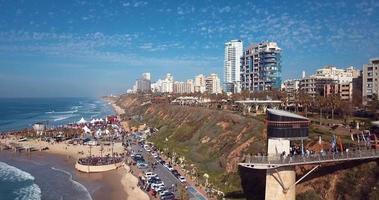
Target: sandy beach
{"x": 117, "y": 184}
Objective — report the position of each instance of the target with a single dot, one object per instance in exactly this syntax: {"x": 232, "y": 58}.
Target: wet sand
{"x": 116, "y": 184}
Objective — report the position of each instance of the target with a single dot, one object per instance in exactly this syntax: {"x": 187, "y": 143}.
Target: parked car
{"x": 142, "y": 165}
{"x": 167, "y": 196}
{"x": 182, "y": 179}
{"x": 169, "y": 167}
{"x": 149, "y": 175}
{"x": 175, "y": 173}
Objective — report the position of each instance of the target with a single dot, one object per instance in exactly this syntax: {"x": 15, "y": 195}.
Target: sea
{"x": 43, "y": 176}
{"x": 19, "y": 113}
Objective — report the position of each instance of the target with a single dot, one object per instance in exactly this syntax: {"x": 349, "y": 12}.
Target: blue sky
{"x": 91, "y": 48}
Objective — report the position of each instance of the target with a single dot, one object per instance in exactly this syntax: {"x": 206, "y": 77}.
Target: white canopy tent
{"x": 82, "y": 121}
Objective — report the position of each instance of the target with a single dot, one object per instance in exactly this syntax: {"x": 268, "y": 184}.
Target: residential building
{"x": 167, "y": 85}
{"x": 340, "y": 75}
{"x": 212, "y": 84}
{"x": 183, "y": 87}
{"x": 357, "y": 90}
{"x": 232, "y": 76}
{"x": 290, "y": 87}
{"x": 146, "y": 76}
{"x": 142, "y": 84}
{"x": 157, "y": 86}
{"x": 370, "y": 86}
{"x": 330, "y": 80}
{"x": 343, "y": 90}
{"x": 314, "y": 85}
{"x": 199, "y": 84}
{"x": 261, "y": 67}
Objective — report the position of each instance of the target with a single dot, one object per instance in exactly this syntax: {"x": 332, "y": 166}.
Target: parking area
{"x": 159, "y": 178}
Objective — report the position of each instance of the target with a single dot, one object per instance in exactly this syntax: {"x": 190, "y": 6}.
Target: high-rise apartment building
{"x": 212, "y": 84}
{"x": 143, "y": 84}
{"x": 146, "y": 76}
{"x": 199, "y": 84}
{"x": 167, "y": 85}
{"x": 183, "y": 87}
{"x": 370, "y": 86}
{"x": 261, "y": 67}
{"x": 232, "y": 76}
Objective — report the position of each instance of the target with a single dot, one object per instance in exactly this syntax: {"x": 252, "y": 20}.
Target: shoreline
{"x": 114, "y": 184}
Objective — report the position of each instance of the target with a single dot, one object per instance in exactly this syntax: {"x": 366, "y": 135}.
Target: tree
{"x": 304, "y": 100}
{"x": 373, "y": 105}
{"x": 321, "y": 103}
{"x": 333, "y": 101}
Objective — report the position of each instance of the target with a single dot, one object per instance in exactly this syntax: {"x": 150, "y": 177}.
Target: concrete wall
{"x": 278, "y": 179}
{"x": 100, "y": 168}
{"x": 276, "y": 147}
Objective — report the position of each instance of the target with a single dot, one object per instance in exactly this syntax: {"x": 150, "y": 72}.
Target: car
{"x": 149, "y": 175}
{"x": 174, "y": 172}
{"x": 157, "y": 186}
{"x": 169, "y": 167}
{"x": 182, "y": 179}
{"x": 162, "y": 162}
{"x": 142, "y": 165}
{"x": 164, "y": 192}
{"x": 160, "y": 189}
{"x": 155, "y": 154}
{"x": 154, "y": 179}
{"x": 166, "y": 195}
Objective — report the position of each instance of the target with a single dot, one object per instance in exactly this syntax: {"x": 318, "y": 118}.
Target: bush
{"x": 308, "y": 195}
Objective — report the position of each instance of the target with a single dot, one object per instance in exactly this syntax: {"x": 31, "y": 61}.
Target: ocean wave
{"x": 76, "y": 107}
{"x": 31, "y": 192}
{"x": 78, "y": 186}
{"x": 62, "y": 117}
{"x": 63, "y": 112}
{"x": 13, "y": 174}
{"x": 18, "y": 184}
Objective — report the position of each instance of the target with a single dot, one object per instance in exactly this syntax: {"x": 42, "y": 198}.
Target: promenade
{"x": 269, "y": 162}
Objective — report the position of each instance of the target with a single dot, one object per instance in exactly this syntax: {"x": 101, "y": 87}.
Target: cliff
{"x": 214, "y": 141}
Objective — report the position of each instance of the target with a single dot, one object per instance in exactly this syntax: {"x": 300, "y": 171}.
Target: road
{"x": 165, "y": 175}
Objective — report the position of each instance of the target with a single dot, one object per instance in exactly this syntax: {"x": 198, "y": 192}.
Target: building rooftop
{"x": 285, "y": 114}
{"x": 374, "y": 60}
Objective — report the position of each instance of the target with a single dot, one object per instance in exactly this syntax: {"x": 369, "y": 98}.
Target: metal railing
{"x": 313, "y": 158}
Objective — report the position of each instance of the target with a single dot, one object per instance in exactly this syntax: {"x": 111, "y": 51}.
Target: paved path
{"x": 265, "y": 162}
{"x": 165, "y": 175}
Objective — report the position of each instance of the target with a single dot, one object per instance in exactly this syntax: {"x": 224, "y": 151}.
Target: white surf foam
{"x": 12, "y": 174}
{"x": 62, "y": 117}
{"x": 63, "y": 112}
{"x": 77, "y": 185}
{"x": 31, "y": 192}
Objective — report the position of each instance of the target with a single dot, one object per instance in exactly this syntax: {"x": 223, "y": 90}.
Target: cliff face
{"x": 213, "y": 140}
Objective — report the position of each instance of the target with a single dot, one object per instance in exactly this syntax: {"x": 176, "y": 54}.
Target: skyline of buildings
{"x": 260, "y": 70}
{"x": 200, "y": 84}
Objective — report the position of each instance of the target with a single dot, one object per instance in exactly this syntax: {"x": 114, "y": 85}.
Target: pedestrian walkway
{"x": 269, "y": 162}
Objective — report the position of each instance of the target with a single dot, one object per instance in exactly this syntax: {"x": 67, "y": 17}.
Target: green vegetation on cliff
{"x": 213, "y": 141}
